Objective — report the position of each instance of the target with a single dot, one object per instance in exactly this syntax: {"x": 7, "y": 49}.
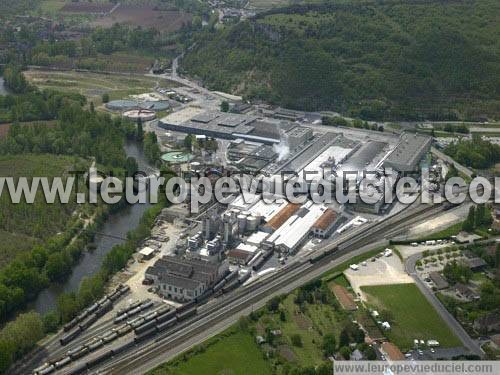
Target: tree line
{"x": 372, "y": 61}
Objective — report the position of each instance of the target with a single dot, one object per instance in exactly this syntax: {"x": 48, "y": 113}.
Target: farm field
{"x": 146, "y": 16}
{"x": 265, "y": 4}
{"x": 412, "y": 316}
{"x": 232, "y": 353}
{"x": 87, "y": 7}
{"x": 93, "y": 85}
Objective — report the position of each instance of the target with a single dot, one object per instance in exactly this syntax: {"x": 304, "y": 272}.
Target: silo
{"x": 242, "y": 223}
{"x": 252, "y": 223}
{"x": 228, "y": 231}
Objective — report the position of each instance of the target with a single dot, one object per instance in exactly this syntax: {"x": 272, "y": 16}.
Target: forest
{"x": 476, "y": 153}
{"x": 373, "y": 60}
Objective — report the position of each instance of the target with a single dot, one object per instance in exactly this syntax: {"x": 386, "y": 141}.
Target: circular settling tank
{"x": 177, "y": 157}
{"x": 121, "y": 105}
{"x": 143, "y": 114}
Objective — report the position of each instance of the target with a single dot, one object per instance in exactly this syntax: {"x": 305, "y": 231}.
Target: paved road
{"x": 455, "y": 327}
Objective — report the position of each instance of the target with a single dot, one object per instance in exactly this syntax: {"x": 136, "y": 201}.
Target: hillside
{"x": 397, "y": 60}
{"x": 23, "y": 225}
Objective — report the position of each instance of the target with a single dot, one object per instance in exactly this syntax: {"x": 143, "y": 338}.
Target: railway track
{"x": 235, "y": 302}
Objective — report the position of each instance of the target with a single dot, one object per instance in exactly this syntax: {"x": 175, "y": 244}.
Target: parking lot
{"x": 381, "y": 271}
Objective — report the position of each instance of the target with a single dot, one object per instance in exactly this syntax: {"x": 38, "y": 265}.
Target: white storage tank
{"x": 252, "y": 223}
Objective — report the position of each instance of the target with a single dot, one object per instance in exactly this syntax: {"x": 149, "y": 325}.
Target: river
{"x": 116, "y": 225}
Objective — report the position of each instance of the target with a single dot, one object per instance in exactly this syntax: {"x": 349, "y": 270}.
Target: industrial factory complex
{"x": 229, "y": 244}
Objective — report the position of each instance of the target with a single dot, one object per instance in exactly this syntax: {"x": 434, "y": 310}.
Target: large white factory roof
{"x": 336, "y": 153}
{"x": 247, "y": 247}
{"x": 294, "y": 230}
{"x": 257, "y": 238}
{"x": 267, "y": 210}
{"x": 244, "y": 202}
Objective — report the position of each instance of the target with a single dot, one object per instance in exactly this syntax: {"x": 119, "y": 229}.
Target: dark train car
{"x": 81, "y": 353}
{"x": 185, "y": 307}
{"x": 219, "y": 286}
{"x": 70, "y": 325}
{"x": 231, "y": 276}
{"x": 106, "y": 307}
{"x": 166, "y": 325}
{"x": 92, "y": 309}
{"x": 144, "y": 335}
{"x": 186, "y": 314}
{"x": 205, "y": 296}
{"x": 87, "y": 323}
{"x": 144, "y": 327}
{"x": 70, "y": 336}
{"x": 244, "y": 278}
{"x": 166, "y": 316}
{"x": 231, "y": 286}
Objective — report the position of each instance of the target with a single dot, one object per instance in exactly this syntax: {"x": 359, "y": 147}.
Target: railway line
{"x": 231, "y": 304}
{"x": 154, "y": 339}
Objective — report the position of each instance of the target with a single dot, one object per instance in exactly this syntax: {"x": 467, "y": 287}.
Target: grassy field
{"x": 413, "y": 315}
{"x": 93, "y": 85}
{"x": 235, "y": 354}
{"x": 52, "y": 6}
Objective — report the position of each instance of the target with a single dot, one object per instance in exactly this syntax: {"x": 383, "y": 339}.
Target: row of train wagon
{"x": 90, "y": 315}
{"x": 158, "y": 321}
{"x": 144, "y": 325}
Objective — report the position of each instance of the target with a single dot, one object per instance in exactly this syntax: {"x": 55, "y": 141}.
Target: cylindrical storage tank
{"x": 252, "y": 223}
{"x": 143, "y": 114}
{"x": 242, "y": 223}
{"x": 228, "y": 231}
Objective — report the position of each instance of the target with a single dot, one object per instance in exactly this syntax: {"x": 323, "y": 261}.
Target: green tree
{"x": 57, "y": 267}
{"x": 6, "y": 355}
{"x": 131, "y": 166}
{"x": 273, "y": 304}
{"x": 345, "y": 352}
{"x": 105, "y": 98}
{"x": 140, "y": 132}
{"x": 370, "y": 353}
{"x": 224, "y": 106}
{"x": 344, "y": 338}
{"x": 456, "y": 272}
{"x": 50, "y": 322}
{"x": 296, "y": 340}
{"x": 329, "y": 344}
{"x": 468, "y": 224}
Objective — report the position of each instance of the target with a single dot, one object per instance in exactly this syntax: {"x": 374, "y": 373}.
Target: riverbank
{"x": 111, "y": 233}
